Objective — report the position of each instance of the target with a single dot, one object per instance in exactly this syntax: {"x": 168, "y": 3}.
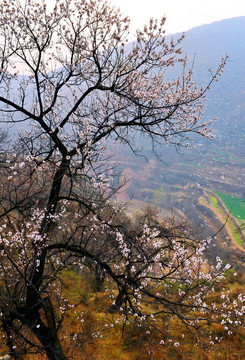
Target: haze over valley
{"x": 204, "y": 185}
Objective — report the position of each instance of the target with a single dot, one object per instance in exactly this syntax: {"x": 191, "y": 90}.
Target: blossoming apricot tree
{"x": 70, "y": 76}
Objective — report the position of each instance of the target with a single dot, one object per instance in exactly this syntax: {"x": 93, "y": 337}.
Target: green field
{"x": 194, "y": 165}
{"x": 234, "y": 204}
{"x": 227, "y": 155}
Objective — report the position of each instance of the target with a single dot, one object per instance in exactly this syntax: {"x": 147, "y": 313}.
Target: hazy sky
{"x": 181, "y": 15}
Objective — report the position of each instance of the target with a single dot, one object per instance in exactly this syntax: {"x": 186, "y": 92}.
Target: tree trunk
{"x": 50, "y": 343}
{"x": 53, "y": 349}
{"x": 46, "y": 334}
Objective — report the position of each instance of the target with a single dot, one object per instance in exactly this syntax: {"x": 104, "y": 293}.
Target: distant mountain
{"x": 205, "y": 46}
{"x": 211, "y": 41}
{"x": 226, "y": 99}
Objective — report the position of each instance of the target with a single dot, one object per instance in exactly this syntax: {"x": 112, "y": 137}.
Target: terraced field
{"x": 206, "y": 187}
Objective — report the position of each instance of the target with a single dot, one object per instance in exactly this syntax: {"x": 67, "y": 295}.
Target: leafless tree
{"x": 69, "y": 76}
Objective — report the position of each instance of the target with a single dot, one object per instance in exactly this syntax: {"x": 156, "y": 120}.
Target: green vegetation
{"x": 236, "y": 234}
{"x": 230, "y": 204}
{"x": 194, "y": 165}
{"x": 227, "y": 155}
{"x": 214, "y": 201}
{"x": 159, "y": 196}
{"x": 234, "y": 204}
